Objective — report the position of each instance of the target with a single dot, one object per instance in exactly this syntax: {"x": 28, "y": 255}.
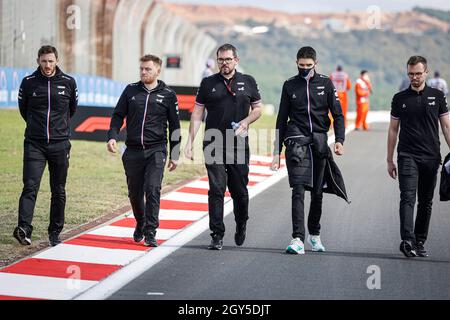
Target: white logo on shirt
{"x": 432, "y": 103}
{"x": 213, "y": 90}
{"x": 133, "y": 99}
{"x": 159, "y": 100}
{"x": 321, "y": 93}
{"x": 294, "y": 96}
{"x": 241, "y": 89}
{"x": 62, "y": 93}
{"x": 404, "y": 106}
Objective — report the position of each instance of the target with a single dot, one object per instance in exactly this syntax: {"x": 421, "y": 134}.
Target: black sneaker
{"x": 420, "y": 249}
{"x": 138, "y": 234}
{"x": 407, "y": 249}
{"x": 239, "y": 236}
{"x": 150, "y": 240}
{"x": 53, "y": 238}
{"x": 21, "y": 235}
{"x": 216, "y": 243}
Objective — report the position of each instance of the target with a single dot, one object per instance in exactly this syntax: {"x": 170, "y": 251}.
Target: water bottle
{"x": 236, "y": 126}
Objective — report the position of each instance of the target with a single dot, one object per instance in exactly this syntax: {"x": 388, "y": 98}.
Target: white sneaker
{"x": 315, "y": 243}
{"x": 296, "y": 247}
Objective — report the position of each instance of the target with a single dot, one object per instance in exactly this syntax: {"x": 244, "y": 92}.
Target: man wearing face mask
{"x": 302, "y": 126}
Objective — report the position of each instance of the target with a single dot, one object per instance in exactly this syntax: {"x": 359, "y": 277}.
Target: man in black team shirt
{"x": 302, "y": 126}
{"x": 416, "y": 111}
{"x": 47, "y": 100}
{"x": 228, "y": 97}
{"x": 148, "y": 106}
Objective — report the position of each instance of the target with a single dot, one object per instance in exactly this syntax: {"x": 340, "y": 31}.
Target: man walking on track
{"x": 47, "y": 101}
{"x": 416, "y": 112}
{"x": 149, "y": 106}
{"x": 342, "y": 83}
{"x": 302, "y": 126}
{"x": 228, "y": 97}
{"x": 363, "y": 89}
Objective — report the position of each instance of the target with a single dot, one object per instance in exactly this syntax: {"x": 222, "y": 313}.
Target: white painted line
{"x": 67, "y": 252}
{"x": 47, "y": 288}
{"x": 261, "y": 169}
{"x": 199, "y": 184}
{"x": 186, "y": 197}
{"x": 183, "y": 215}
{"x": 256, "y": 178}
{"x": 124, "y": 232}
{"x": 116, "y": 281}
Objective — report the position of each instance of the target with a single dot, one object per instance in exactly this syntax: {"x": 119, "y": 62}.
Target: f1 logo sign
{"x": 93, "y": 124}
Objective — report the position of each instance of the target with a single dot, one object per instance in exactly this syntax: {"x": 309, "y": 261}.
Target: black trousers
{"x": 416, "y": 178}
{"x": 303, "y": 170}
{"x": 298, "y": 213}
{"x": 36, "y": 156}
{"x": 235, "y": 176}
{"x": 144, "y": 170}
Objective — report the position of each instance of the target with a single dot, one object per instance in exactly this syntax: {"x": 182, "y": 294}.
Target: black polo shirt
{"x": 419, "y": 114}
{"x": 227, "y": 100}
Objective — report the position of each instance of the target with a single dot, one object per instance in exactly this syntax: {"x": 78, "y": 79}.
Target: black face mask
{"x": 303, "y": 72}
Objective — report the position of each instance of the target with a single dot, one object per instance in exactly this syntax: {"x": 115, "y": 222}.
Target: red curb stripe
{"x": 10, "y": 298}
{"x": 61, "y": 269}
{"x": 199, "y": 191}
{"x": 91, "y": 240}
{"x": 163, "y": 224}
{"x": 179, "y": 205}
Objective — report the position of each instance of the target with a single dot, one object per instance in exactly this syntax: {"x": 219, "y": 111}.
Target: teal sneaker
{"x": 316, "y": 244}
{"x": 296, "y": 247}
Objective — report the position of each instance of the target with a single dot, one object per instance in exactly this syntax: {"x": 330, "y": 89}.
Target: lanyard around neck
{"x": 229, "y": 88}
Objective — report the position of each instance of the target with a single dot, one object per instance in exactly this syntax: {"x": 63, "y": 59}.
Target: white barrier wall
{"x": 109, "y": 38}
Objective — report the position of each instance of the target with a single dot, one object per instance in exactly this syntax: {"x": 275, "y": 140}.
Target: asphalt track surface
{"x": 362, "y": 260}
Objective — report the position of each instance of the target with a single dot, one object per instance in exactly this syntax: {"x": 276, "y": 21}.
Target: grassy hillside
{"x": 270, "y": 57}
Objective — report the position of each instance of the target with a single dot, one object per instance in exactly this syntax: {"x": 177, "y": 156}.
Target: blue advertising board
{"x": 93, "y": 91}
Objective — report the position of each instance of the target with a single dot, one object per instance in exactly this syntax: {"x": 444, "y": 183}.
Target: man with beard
{"x": 149, "y": 106}
{"x": 228, "y": 97}
{"x": 416, "y": 111}
{"x": 47, "y": 100}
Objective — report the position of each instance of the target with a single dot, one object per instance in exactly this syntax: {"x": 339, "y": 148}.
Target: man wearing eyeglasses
{"x": 233, "y": 102}
{"x": 417, "y": 111}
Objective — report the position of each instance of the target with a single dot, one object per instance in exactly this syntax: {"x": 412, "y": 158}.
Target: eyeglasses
{"x": 415, "y": 74}
{"x": 226, "y": 60}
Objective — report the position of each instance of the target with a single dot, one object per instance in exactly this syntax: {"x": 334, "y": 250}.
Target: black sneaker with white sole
{"x": 21, "y": 235}
{"x": 150, "y": 240}
{"x": 54, "y": 239}
{"x": 138, "y": 234}
{"x": 407, "y": 248}
{"x": 239, "y": 236}
{"x": 216, "y": 243}
{"x": 420, "y": 249}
